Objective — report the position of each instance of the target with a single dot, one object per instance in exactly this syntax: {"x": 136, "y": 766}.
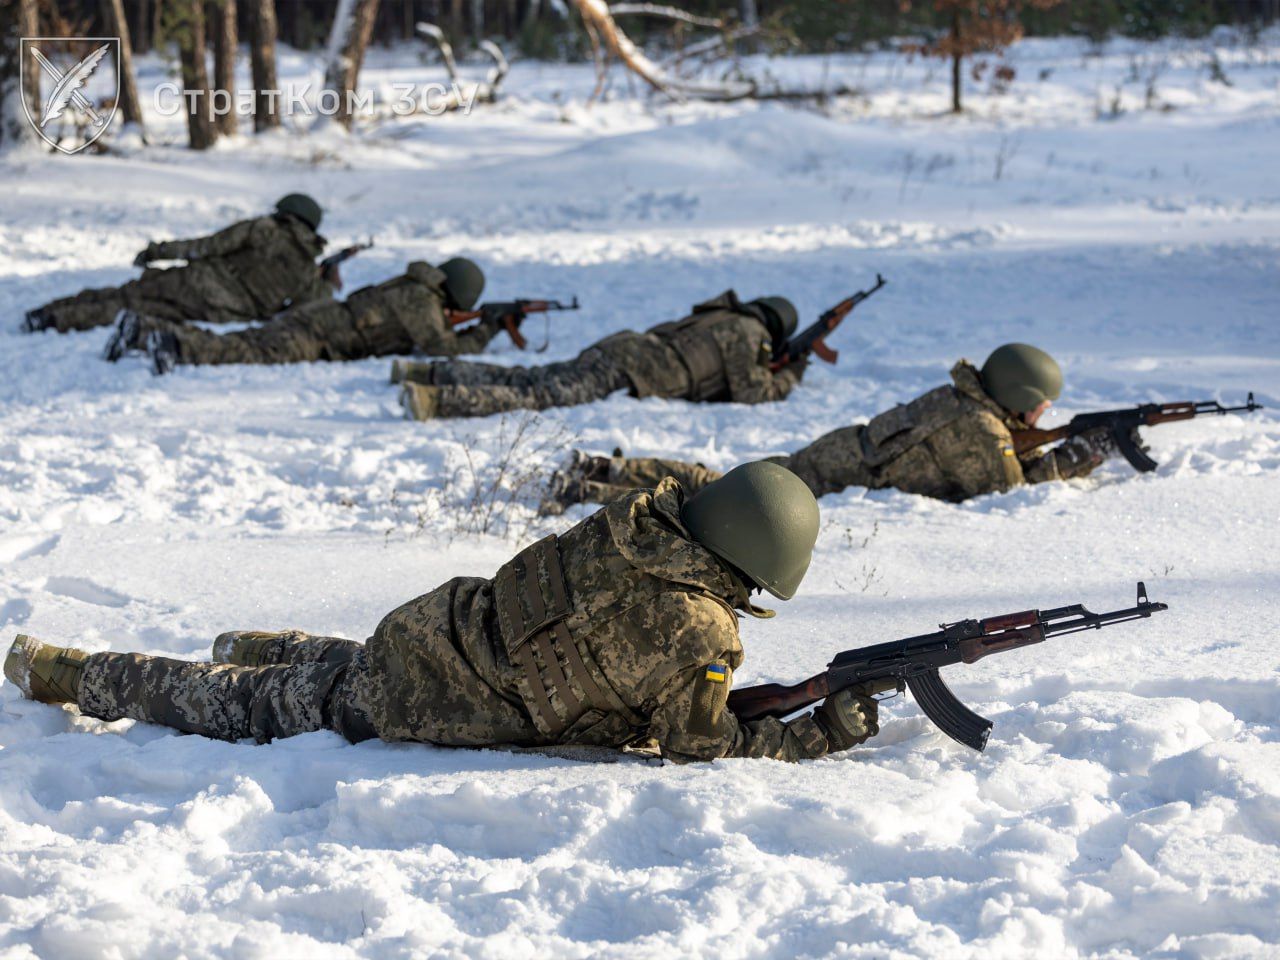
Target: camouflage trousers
{"x": 480, "y": 389}
{"x": 631, "y": 473}
{"x": 831, "y": 463}
{"x": 193, "y": 292}
{"x": 318, "y": 683}
{"x": 330, "y": 332}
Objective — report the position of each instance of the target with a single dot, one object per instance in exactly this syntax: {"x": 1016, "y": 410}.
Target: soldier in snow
{"x": 249, "y": 271}
{"x": 720, "y": 353}
{"x": 622, "y": 630}
{"x": 953, "y": 443}
{"x": 402, "y": 315}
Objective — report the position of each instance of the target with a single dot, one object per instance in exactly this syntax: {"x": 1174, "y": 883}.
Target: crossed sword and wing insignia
{"x": 67, "y": 86}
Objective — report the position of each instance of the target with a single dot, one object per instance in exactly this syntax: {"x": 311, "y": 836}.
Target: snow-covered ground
{"x": 1129, "y": 802}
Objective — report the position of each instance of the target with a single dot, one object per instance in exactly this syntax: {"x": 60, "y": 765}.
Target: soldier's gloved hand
{"x": 1078, "y": 456}
{"x": 1100, "y": 442}
{"x": 848, "y": 718}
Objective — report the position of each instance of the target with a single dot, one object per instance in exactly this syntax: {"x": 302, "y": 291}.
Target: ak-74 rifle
{"x": 915, "y": 662}
{"x": 510, "y": 314}
{"x": 1123, "y": 426}
{"x": 329, "y": 265}
{"x": 813, "y": 338}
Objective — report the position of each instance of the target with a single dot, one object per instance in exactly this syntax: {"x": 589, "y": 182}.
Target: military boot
{"x": 249, "y": 648}
{"x": 577, "y": 481}
{"x": 129, "y": 335}
{"x": 35, "y": 320}
{"x": 44, "y": 672}
{"x": 162, "y": 350}
{"x": 420, "y": 401}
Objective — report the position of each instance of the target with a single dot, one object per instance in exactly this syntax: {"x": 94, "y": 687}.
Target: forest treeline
{"x": 548, "y": 29}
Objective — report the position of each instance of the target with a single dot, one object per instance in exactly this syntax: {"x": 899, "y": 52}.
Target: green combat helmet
{"x": 1020, "y": 377}
{"x": 779, "y": 316}
{"x": 464, "y": 282}
{"x": 762, "y": 519}
{"x": 302, "y": 207}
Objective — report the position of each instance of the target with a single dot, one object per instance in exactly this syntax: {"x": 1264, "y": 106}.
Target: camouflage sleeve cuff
{"x": 1041, "y": 470}
{"x": 809, "y": 734}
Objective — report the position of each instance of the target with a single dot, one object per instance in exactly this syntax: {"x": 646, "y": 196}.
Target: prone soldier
{"x": 953, "y": 443}
{"x": 721, "y": 352}
{"x": 249, "y": 271}
{"x": 401, "y": 315}
{"x": 623, "y": 630}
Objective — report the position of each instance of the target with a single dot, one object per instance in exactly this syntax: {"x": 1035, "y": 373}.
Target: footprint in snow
{"x": 85, "y": 591}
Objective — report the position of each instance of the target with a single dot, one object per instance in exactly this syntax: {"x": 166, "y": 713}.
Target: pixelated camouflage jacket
{"x": 270, "y": 261}
{"x": 415, "y": 302}
{"x": 954, "y": 442}
{"x": 649, "y": 614}
{"x": 720, "y": 352}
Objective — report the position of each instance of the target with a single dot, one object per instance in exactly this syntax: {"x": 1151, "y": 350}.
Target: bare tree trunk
{"x": 117, "y": 23}
{"x": 138, "y": 28}
{"x": 17, "y": 20}
{"x": 477, "y": 18}
{"x": 531, "y": 13}
{"x": 225, "y": 41}
{"x": 956, "y": 61}
{"x": 262, "y": 17}
{"x": 352, "y": 28}
{"x": 186, "y": 19}
{"x": 29, "y": 23}
{"x": 157, "y": 23}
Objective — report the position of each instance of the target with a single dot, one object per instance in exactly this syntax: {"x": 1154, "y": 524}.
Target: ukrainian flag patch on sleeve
{"x": 1007, "y": 451}
{"x": 717, "y": 672}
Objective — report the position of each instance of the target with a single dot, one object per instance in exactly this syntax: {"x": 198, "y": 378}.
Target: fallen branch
{"x": 486, "y": 91}
{"x": 717, "y": 45}
{"x": 598, "y": 19}
{"x": 432, "y": 32}
{"x": 666, "y": 13}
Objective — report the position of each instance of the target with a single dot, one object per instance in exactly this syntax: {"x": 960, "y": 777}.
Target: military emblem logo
{"x": 65, "y": 116}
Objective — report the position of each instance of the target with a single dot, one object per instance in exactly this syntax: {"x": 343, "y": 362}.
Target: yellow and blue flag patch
{"x": 717, "y": 672}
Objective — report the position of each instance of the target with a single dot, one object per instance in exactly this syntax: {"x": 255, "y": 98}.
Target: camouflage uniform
{"x": 620, "y": 630}
{"x": 719, "y": 353}
{"x": 249, "y": 271}
{"x": 402, "y": 315}
{"x": 953, "y": 443}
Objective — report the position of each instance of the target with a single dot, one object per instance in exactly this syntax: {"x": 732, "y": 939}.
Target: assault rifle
{"x": 510, "y": 314}
{"x": 1123, "y": 426}
{"x": 329, "y": 265}
{"x": 915, "y": 662}
{"x": 813, "y": 338}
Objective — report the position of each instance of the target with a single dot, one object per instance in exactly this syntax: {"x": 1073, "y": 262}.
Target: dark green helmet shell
{"x": 302, "y": 207}
{"x": 464, "y": 282}
{"x": 761, "y": 518}
{"x": 1020, "y": 377}
{"x": 780, "y": 316}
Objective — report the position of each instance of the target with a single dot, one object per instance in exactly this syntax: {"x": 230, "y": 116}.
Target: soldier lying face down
{"x": 953, "y": 443}
{"x": 249, "y": 271}
{"x": 401, "y": 315}
{"x": 722, "y": 352}
{"x": 622, "y": 630}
